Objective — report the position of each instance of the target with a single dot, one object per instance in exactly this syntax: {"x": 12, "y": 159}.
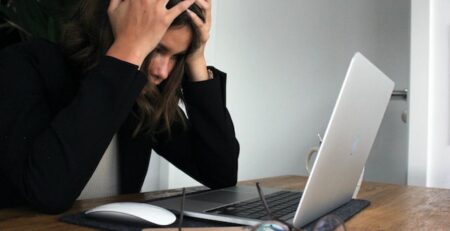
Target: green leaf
{"x": 11, "y": 19}
{"x": 31, "y": 17}
{"x": 37, "y": 18}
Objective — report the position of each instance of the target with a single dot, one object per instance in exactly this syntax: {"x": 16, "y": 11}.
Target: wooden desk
{"x": 393, "y": 207}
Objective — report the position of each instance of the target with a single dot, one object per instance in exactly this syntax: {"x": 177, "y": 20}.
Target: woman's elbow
{"x": 52, "y": 204}
{"x": 231, "y": 175}
{"x": 50, "y": 200}
{"x": 229, "y": 182}
{"x": 222, "y": 182}
{"x": 225, "y": 178}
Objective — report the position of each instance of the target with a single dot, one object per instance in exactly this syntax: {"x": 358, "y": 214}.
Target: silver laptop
{"x": 347, "y": 142}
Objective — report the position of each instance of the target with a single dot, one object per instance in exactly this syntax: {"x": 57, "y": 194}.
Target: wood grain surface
{"x": 393, "y": 207}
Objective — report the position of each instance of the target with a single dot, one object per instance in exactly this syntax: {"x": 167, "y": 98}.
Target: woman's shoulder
{"x": 33, "y": 66}
{"x": 36, "y": 49}
{"x": 37, "y": 43}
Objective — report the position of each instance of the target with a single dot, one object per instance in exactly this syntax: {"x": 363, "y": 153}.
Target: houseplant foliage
{"x": 35, "y": 18}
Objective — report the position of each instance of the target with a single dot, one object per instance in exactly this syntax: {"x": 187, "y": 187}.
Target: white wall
{"x": 430, "y": 86}
{"x": 104, "y": 182}
{"x": 439, "y": 117}
{"x": 286, "y": 61}
{"x": 419, "y": 88}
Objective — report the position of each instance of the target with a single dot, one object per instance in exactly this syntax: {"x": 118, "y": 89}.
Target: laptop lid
{"x": 347, "y": 141}
{"x": 349, "y": 136}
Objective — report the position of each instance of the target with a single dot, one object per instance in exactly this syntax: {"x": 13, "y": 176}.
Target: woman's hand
{"x": 139, "y": 25}
{"x": 196, "y": 61}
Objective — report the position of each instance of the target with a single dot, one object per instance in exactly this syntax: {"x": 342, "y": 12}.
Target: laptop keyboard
{"x": 281, "y": 204}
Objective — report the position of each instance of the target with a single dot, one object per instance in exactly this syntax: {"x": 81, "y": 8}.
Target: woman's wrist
{"x": 126, "y": 53}
{"x": 197, "y": 69}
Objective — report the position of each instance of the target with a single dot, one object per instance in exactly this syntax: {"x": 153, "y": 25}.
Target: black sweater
{"x": 55, "y": 125}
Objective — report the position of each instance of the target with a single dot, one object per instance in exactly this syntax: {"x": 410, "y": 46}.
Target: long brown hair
{"x": 88, "y": 36}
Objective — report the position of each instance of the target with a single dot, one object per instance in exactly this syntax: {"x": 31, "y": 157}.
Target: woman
{"x": 122, "y": 67}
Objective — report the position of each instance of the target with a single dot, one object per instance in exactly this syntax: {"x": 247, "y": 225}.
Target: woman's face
{"x": 173, "y": 44}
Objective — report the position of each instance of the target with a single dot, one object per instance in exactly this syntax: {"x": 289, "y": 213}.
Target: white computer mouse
{"x": 134, "y": 211}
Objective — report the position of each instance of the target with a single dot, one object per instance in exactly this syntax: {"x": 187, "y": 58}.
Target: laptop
{"x": 346, "y": 144}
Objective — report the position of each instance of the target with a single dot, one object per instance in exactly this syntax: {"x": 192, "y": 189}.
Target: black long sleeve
{"x": 47, "y": 156}
{"x": 208, "y": 149}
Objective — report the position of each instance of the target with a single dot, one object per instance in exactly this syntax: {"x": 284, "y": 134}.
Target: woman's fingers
{"x": 179, "y": 8}
{"x": 204, "y": 26}
{"x": 139, "y": 25}
{"x": 113, "y": 4}
{"x": 205, "y": 5}
{"x": 197, "y": 20}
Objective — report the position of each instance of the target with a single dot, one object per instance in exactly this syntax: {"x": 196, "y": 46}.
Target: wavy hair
{"x": 88, "y": 35}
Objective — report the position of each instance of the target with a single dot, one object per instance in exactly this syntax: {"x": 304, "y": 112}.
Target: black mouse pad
{"x": 84, "y": 220}
{"x": 345, "y": 212}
